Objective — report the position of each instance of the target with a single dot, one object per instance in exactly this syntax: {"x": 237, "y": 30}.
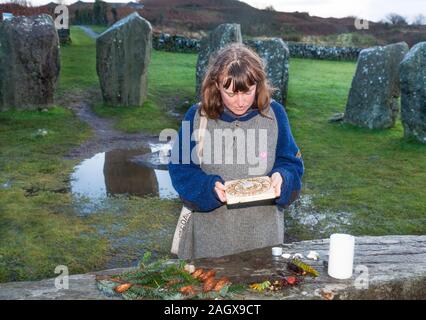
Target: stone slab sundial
{"x": 249, "y": 190}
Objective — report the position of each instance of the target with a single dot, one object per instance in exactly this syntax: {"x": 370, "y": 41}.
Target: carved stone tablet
{"x": 249, "y": 190}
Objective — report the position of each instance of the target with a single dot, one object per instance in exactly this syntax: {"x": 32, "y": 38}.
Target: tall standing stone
{"x": 373, "y": 97}
{"x": 275, "y": 54}
{"x": 123, "y": 53}
{"x": 223, "y": 35}
{"x": 29, "y": 62}
{"x": 413, "y": 93}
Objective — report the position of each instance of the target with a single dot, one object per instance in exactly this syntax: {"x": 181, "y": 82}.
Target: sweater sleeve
{"x": 288, "y": 160}
{"x": 194, "y": 186}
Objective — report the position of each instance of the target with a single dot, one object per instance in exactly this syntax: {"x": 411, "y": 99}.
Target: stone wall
{"x": 175, "y": 43}
{"x": 312, "y": 51}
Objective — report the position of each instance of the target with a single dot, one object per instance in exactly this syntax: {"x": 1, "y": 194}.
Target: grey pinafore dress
{"x": 229, "y": 230}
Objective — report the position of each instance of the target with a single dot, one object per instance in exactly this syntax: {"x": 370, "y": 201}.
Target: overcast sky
{"x": 373, "y": 10}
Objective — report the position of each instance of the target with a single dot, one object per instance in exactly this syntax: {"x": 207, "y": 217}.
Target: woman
{"x": 235, "y": 96}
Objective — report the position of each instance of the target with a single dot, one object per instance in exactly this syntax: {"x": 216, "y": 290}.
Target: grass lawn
{"x": 38, "y": 226}
{"x": 98, "y": 29}
{"x": 78, "y": 63}
{"x": 376, "y": 176}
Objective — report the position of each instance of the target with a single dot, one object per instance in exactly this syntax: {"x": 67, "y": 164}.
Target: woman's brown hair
{"x": 240, "y": 64}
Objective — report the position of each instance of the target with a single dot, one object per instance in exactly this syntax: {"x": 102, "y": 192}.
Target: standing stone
{"x": 223, "y": 35}
{"x": 64, "y": 36}
{"x": 413, "y": 93}
{"x": 123, "y": 53}
{"x": 29, "y": 62}
{"x": 373, "y": 97}
{"x": 275, "y": 55}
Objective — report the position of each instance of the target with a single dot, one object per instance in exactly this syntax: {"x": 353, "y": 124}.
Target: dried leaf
{"x": 187, "y": 290}
{"x": 209, "y": 284}
{"x": 221, "y": 283}
{"x": 173, "y": 282}
{"x": 328, "y": 295}
{"x": 197, "y": 273}
{"x": 204, "y": 276}
{"x": 122, "y": 287}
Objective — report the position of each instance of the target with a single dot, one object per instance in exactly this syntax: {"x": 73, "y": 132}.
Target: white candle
{"x": 277, "y": 251}
{"x": 341, "y": 256}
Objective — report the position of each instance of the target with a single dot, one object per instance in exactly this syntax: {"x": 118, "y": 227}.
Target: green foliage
{"x": 305, "y": 267}
{"x": 100, "y": 13}
{"x": 260, "y": 287}
{"x": 83, "y": 16}
{"x": 145, "y": 259}
{"x": 162, "y": 279}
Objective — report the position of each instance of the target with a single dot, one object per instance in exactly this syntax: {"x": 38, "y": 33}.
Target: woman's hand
{"x": 220, "y": 191}
{"x": 277, "y": 181}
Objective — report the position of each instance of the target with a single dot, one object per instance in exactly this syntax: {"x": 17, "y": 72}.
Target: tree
{"x": 419, "y": 20}
{"x": 23, "y": 3}
{"x": 85, "y": 16}
{"x": 77, "y": 17}
{"x": 104, "y": 13}
{"x": 114, "y": 14}
{"x": 396, "y": 19}
{"x": 269, "y": 8}
{"x": 100, "y": 13}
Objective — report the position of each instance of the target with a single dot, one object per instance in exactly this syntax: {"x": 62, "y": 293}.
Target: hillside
{"x": 196, "y": 17}
{"x": 193, "y": 15}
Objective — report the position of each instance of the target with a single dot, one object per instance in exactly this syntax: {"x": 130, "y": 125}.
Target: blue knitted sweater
{"x": 189, "y": 179}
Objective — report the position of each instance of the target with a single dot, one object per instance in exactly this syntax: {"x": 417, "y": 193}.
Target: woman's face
{"x": 238, "y": 102}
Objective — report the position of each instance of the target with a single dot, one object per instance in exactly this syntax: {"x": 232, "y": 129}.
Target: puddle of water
{"x": 114, "y": 173}
{"x": 158, "y": 158}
